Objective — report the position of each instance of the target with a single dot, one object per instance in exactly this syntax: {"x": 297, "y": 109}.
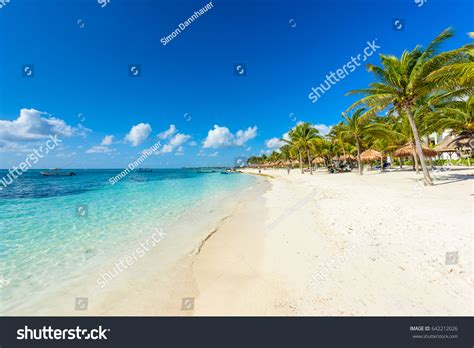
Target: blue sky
{"x": 81, "y": 87}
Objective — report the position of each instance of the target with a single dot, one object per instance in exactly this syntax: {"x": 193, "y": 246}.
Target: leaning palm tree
{"x": 302, "y": 139}
{"x": 402, "y": 131}
{"x": 359, "y": 125}
{"x": 401, "y": 82}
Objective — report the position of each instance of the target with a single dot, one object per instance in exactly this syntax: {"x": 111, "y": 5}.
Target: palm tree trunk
{"x": 381, "y": 161}
{"x": 343, "y": 151}
{"x": 415, "y": 159}
{"x": 358, "y": 157}
{"x": 310, "y": 167}
{"x": 301, "y": 162}
{"x": 426, "y": 173}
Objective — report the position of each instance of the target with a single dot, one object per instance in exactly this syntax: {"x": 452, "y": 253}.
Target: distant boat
{"x": 144, "y": 170}
{"x": 228, "y": 171}
{"x": 57, "y": 173}
{"x": 202, "y": 171}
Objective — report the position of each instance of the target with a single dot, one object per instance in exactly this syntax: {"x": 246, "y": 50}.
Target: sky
{"x": 66, "y": 70}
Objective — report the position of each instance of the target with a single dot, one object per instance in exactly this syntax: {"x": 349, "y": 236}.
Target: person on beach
{"x": 288, "y": 170}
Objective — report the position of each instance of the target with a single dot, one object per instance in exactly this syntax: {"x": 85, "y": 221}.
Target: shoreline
{"x": 305, "y": 245}
{"x": 323, "y": 252}
{"x": 160, "y": 262}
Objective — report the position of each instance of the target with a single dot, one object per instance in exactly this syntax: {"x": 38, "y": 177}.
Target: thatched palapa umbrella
{"x": 461, "y": 143}
{"x": 347, "y": 157}
{"x": 318, "y": 160}
{"x": 446, "y": 145}
{"x": 370, "y": 155}
{"x": 407, "y": 150}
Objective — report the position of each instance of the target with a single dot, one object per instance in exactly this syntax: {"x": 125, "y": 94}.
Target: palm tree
{"x": 460, "y": 72}
{"x": 286, "y": 153}
{"x": 402, "y": 82}
{"x": 402, "y": 132}
{"x": 381, "y": 145}
{"x": 302, "y": 139}
{"x": 274, "y": 157}
{"x": 457, "y": 115}
{"x": 328, "y": 150}
{"x": 338, "y": 137}
{"x": 359, "y": 125}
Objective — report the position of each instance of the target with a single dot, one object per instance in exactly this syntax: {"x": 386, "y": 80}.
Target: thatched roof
{"x": 347, "y": 157}
{"x": 446, "y": 145}
{"x": 370, "y": 155}
{"x": 318, "y": 160}
{"x": 407, "y": 150}
{"x": 453, "y": 144}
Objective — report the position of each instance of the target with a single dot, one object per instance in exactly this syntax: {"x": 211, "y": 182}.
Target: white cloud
{"x": 108, "y": 140}
{"x": 179, "y": 139}
{"x": 175, "y": 142}
{"x": 166, "y": 149}
{"x": 104, "y": 145}
{"x": 222, "y": 137}
{"x": 322, "y": 128}
{"x": 66, "y": 155}
{"x": 218, "y": 137}
{"x": 100, "y": 149}
{"x": 179, "y": 151}
{"x": 241, "y": 137}
{"x": 201, "y": 153}
{"x": 167, "y": 133}
{"x": 274, "y": 143}
{"x": 7, "y": 146}
{"x": 138, "y": 134}
{"x": 33, "y": 125}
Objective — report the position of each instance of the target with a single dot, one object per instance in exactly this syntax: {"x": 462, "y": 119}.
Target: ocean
{"x": 54, "y": 230}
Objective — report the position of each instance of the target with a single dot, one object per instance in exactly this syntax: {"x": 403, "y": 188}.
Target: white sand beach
{"x": 322, "y": 244}
{"x": 342, "y": 244}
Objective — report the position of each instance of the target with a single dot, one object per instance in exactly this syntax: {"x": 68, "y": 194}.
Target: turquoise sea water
{"x": 51, "y": 228}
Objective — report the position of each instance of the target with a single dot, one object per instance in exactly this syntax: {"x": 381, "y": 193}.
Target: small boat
{"x": 144, "y": 170}
{"x": 229, "y": 171}
{"x": 58, "y": 173}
